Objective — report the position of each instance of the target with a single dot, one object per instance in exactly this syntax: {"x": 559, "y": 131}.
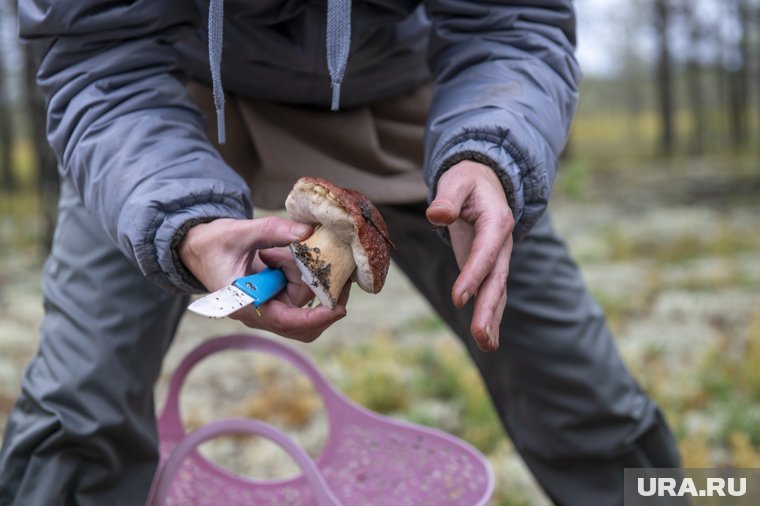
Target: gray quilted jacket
{"x": 132, "y": 143}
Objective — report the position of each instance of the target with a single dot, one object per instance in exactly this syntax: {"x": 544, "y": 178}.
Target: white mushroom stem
{"x": 326, "y": 262}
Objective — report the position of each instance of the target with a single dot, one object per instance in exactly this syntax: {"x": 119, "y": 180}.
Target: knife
{"x": 255, "y": 289}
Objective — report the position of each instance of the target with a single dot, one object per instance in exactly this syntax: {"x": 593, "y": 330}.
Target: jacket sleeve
{"x": 505, "y": 94}
{"x": 123, "y": 127}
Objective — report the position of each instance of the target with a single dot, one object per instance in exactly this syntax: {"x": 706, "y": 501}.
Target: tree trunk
{"x": 48, "y": 179}
{"x": 694, "y": 85}
{"x": 739, "y": 79}
{"x": 756, "y": 60}
{"x": 7, "y": 175}
{"x": 662, "y": 13}
{"x": 697, "y": 135}
{"x": 720, "y": 120}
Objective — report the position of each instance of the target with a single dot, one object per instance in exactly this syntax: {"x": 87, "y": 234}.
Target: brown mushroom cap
{"x": 351, "y": 216}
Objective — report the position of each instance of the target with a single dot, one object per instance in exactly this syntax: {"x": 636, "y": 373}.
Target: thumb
{"x": 272, "y": 232}
{"x": 445, "y": 209}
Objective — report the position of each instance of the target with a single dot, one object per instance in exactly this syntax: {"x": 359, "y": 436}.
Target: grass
{"x": 20, "y": 228}
{"x": 575, "y": 178}
{"x": 429, "y": 323}
{"x": 23, "y": 168}
{"x": 398, "y": 384}
{"x": 722, "y": 393}
{"x": 750, "y": 376}
{"x": 732, "y": 384}
{"x": 726, "y": 241}
{"x": 612, "y": 138}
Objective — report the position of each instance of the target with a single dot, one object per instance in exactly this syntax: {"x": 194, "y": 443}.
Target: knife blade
{"x": 255, "y": 289}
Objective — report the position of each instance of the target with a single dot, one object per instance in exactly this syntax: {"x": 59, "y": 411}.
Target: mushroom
{"x": 350, "y": 239}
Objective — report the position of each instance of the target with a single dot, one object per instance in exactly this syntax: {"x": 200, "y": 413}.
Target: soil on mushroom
{"x": 319, "y": 269}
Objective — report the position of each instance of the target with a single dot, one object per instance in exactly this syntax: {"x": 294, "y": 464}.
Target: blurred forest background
{"x": 657, "y": 196}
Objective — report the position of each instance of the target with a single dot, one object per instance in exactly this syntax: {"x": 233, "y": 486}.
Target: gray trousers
{"x": 83, "y": 430}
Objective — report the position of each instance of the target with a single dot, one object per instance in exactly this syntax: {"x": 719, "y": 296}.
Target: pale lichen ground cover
{"x": 672, "y": 254}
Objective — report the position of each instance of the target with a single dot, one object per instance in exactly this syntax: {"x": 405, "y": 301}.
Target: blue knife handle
{"x": 263, "y": 285}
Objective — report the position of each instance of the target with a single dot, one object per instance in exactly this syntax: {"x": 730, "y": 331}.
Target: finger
{"x": 310, "y": 335}
{"x": 487, "y": 336}
{"x": 490, "y": 303}
{"x": 282, "y": 258}
{"x": 497, "y": 317}
{"x": 296, "y": 296}
{"x": 453, "y": 191}
{"x": 286, "y": 320}
{"x": 340, "y": 303}
{"x": 270, "y": 232}
{"x": 306, "y": 336}
{"x": 343, "y": 296}
{"x": 307, "y": 324}
{"x": 462, "y": 235}
{"x": 300, "y": 296}
{"x": 256, "y": 264}
{"x": 492, "y": 231}
{"x": 296, "y": 292}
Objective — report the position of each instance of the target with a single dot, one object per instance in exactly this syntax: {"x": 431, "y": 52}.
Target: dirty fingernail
{"x": 493, "y": 337}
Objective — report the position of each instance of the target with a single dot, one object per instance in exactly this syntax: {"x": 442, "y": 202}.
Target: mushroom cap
{"x": 353, "y": 218}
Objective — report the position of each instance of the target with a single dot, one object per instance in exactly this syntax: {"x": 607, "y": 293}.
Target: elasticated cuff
{"x": 158, "y": 257}
{"x": 525, "y": 189}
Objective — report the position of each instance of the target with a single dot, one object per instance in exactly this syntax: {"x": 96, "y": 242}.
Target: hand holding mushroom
{"x": 350, "y": 239}
{"x": 222, "y": 250}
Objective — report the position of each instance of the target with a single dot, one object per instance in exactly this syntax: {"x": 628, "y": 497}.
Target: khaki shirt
{"x": 376, "y": 149}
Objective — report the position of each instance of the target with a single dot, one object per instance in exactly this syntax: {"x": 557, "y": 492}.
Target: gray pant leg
{"x": 571, "y": 407}
{"x": 83, "y": 430}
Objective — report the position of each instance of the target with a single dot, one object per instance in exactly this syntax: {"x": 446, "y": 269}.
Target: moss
{"x": 20, "y": 227}
{"x": 375, "y": 375}
{"x": 573, "y": 180}
{"x": 744, "y": 454}
{"x": 695, "y": 451}
{"x": 427, "y": 323}
{"x": 448, "y": 373}
{"x": 751, "y": 365}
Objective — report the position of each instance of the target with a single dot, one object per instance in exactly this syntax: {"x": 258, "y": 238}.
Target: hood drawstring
{"x": 215, "y": 36}
{"x": 338, "y": 45}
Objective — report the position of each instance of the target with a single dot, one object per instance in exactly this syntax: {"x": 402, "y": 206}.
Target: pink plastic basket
{"x": 368, "y": 459}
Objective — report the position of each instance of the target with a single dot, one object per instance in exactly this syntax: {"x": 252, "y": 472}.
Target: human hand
{"x": 223, "y": 250}
{"x": 470, "y": 201}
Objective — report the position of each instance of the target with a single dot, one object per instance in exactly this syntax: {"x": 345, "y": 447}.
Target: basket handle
{"x": 170, "y": 415}
{"x": 162, "y": 485}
